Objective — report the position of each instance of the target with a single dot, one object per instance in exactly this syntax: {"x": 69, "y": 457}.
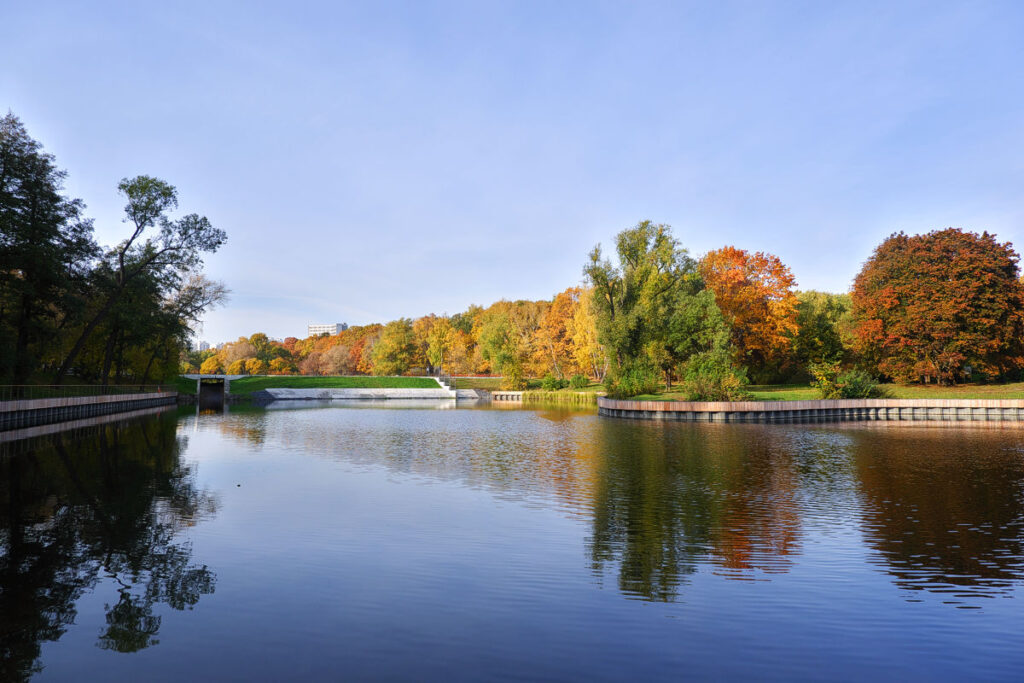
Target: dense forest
{"x": 70, "y": 307}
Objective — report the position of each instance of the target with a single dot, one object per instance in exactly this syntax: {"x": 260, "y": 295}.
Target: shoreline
{"x": 822, "y": 410}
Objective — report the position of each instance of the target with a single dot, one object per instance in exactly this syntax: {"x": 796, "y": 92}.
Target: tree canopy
{"x": 940, "y": 306}
{"x": 121, "y": 313}
{"x": 755, "y": 292}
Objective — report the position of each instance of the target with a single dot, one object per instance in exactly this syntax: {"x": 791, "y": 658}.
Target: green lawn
{"x": 1008, "y": 390}
{"x": 247, "y": 385}
{"x": 804, "y": 392}
{"x": 184, "y": 385}
{"x": 494, "y": 384}
{"x": 485, "y": 383}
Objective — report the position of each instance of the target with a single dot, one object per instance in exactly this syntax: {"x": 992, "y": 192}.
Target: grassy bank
{"x": 247, "y": 385}
{"x": 805, "y": 392}
{"x": 488, "y": 383}
{"x": 494, "y": 384}
{"x": 565, "y": 396}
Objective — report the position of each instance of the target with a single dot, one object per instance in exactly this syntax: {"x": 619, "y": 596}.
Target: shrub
{"x": 834, "y": 384}
{"x": 711, "y": 376}
{"x": 632, "y": 381}
{"x": 579, "y": 381}
{"x": 513, "y": 379}
{"x": 552, "y": 383}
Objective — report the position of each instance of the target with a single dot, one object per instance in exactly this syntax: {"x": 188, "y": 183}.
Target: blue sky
{"x": 376, "y": 160}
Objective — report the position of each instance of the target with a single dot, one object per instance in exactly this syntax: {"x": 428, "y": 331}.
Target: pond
{"x": 312, "y": 542}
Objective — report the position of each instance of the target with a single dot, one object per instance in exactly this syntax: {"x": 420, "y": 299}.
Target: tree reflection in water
{"x": 670, "y": 498}
{"x": 938, "y": 508}
{"x": 101, "y": 504}
{"x": 944, "y": 509}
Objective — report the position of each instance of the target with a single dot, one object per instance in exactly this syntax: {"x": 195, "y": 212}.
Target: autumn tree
{"x": 755, "y": 294}
{"x": 281, "y": 366}
{"x": 587, "y": 351}
{"x": 255, "y": 366}
{"x": 553, "y": 348}
{"x": 940, "y": 306}
{"x": 440, "y": 342}
{"x": 393, "y": 352}
{"x": 212, "y": 366}
{"x": 337, "y": 361}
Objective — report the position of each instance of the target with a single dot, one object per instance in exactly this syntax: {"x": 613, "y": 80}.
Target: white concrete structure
{"x": 333, "y": 328}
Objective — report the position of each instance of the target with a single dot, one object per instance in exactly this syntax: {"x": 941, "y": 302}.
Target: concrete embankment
{"x": 267, "y": 395}
{"x": 25, "y": 436}
{"x": 579, "y": 398}
{"x": 890, "y": 410}
{"x": 39, "y": 411}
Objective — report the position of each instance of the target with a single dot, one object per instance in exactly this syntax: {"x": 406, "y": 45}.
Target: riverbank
{"x": 854, "y": 410}
{"x": 805, "y": 392}
{"x": 34, "y": 412}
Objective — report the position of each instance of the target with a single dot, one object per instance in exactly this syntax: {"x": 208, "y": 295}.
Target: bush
{"x": 833, "y": 384}
{"x": 552, "y": 383}
{"x": 513, "y": 380}
{"x": 711, "y": 376}
{"x": 632, "y": 381}
{"x": 579, "y": 381}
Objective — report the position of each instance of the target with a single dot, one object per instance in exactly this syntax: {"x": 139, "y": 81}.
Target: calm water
{"x": 380, "y": 543}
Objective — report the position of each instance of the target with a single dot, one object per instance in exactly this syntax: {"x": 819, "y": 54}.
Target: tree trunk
{"x": 108, "y": 354}
{"x": 21, "y": 364}
{"x": 84, "y": 337}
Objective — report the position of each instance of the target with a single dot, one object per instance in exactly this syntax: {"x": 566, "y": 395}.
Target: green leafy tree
{"x": 503, "y": 348}
{"x": 653, "y": 312}
{"x": 46, "y": 249}
{"x": 821, "y": 318}
{"x": 164, "y": 249}
{"x": 629, "y": 296}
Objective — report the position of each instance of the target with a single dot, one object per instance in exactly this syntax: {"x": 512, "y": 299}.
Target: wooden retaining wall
{"x": 39, "y": 411}
{"x": 867, "y": 409}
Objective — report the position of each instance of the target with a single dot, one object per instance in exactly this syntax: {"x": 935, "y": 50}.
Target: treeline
{"x": 69, "y": 306}
{"x": 515, "y": 339}
{"x": 944, "y": 307}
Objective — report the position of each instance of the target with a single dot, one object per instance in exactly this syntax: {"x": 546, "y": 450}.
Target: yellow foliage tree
{"x": 587, "y": 352}
{"x": 212, "y": 366}
{"x": 255, "y": 366}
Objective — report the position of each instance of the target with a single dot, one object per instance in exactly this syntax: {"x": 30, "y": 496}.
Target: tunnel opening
{"x": 211, "y": 393}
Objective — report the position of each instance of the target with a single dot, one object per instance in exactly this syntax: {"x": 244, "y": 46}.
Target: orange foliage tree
{"x": 930, "y": 306}
{"x": 552, "y": 343}
{"x": 755, "y": 294}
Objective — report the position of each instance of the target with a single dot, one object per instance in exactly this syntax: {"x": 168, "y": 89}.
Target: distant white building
{"x": 333, "y": 328}
{"x": 204, "y": 346}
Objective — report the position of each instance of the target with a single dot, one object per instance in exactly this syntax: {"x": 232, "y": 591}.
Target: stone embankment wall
{"x": 40, "y": 411}
{"x": 933, "y": 410}
{"x": 375, "y": 394}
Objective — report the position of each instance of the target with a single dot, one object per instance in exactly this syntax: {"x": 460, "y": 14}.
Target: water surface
{"x": 327, "y": 542}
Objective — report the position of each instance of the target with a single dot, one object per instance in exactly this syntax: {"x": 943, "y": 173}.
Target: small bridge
{"x": 212, "y": 389}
